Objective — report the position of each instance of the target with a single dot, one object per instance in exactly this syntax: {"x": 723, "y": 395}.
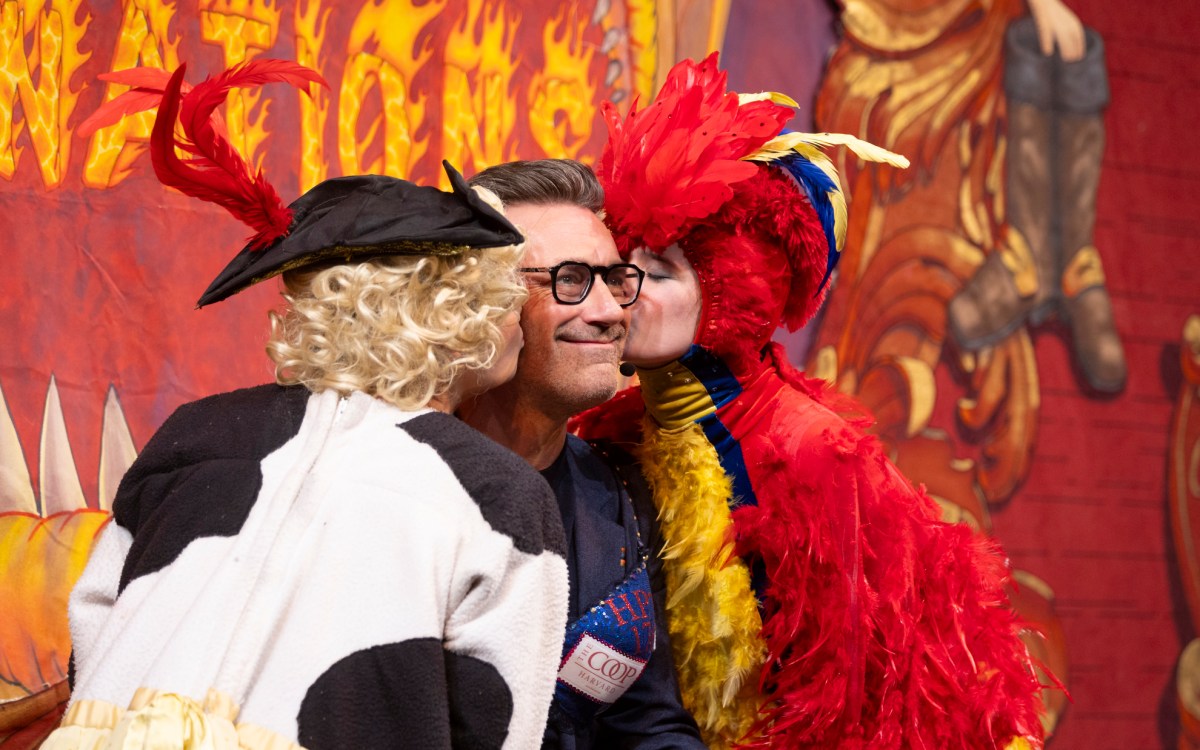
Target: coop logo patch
{"x": 598, "y": 670}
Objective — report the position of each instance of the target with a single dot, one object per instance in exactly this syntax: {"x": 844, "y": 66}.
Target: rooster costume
{"x": 815, "y": 599}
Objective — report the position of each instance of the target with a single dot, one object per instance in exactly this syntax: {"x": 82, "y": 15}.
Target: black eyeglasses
{"x": 570, "y": 281}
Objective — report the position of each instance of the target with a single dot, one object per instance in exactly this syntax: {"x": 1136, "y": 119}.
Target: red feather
{"x": 216, "y": 172}
{"x": 618, "y": 420}
{"x": 140, "y": 78}
{"x": 147, "y": 85}
{"x": 671, "y": 165}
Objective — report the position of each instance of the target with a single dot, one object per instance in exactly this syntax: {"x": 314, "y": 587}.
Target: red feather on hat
{"x": 214, "y": 171}
{"x": 145, "y": 92}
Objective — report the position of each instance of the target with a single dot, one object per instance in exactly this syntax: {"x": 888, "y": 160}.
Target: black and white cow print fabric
{"x": 344, "y": 573}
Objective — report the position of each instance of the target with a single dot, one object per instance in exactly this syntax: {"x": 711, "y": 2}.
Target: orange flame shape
{"x": 40, "y": 559}
{"x": 143, "y": 40}
{"x": 47, "y": 105}
{"x": 564, "y": 86}
{"x": 478, "y": 107}
{"x": 390, "y": 62}
{"x": 243, "y": 29}
{"x": 310, "y": 22}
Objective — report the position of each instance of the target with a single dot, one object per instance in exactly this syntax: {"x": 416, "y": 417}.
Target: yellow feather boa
{"x": 712, "y": 613}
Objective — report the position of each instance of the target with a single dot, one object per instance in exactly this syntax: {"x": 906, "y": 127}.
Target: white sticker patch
{"x": 599, "y": 671}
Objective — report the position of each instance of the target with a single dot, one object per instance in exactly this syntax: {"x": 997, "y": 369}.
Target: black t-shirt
{"x": 602, "y": 534}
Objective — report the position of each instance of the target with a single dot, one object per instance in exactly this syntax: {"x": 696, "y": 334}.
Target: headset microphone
{"x": 627, "y": 369}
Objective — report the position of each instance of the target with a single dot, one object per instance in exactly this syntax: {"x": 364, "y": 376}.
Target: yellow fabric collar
{"x": 674, "y": 396}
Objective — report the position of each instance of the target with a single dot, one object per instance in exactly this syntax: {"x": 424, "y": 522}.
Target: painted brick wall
{"x": 1092, "y": 517}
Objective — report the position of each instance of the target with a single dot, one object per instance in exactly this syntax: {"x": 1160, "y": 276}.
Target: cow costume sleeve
{"x": 95, "y": 591}
{"x": 196, "y": 449}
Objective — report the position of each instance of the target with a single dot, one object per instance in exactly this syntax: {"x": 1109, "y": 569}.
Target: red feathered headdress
{"x": 674, "y": 164}
{"x": 759, "y": 214}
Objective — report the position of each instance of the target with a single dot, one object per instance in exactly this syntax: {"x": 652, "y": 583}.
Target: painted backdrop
{"x": 1094, "y": 492}
{"x": 101, "y": 265}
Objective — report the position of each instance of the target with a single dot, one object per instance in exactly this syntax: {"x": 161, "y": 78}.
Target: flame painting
{"x": 103, "y": 356}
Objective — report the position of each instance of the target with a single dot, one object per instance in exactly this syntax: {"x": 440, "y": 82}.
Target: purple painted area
{"x": 782, "y": 45}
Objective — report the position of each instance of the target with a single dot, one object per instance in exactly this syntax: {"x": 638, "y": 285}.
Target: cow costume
{"x": 288, "y": 568}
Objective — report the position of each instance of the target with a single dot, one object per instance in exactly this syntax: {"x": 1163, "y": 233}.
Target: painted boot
{"x": 1082, "y": 94}
{"x": 1017, "y": 283}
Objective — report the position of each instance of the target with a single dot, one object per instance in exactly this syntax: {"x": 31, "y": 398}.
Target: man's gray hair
{"x": 543, "y": 182}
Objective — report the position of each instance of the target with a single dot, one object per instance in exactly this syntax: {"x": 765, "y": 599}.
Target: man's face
{"x": 571, "y": 352}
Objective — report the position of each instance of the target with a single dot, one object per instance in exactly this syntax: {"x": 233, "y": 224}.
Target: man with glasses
{"x": 616, "y": 685}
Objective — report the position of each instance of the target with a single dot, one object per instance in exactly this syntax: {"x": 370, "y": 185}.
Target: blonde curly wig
{"x": 398, "y": 327}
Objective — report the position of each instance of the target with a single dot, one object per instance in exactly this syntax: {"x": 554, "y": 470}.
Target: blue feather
{"x": 817, "y": 186}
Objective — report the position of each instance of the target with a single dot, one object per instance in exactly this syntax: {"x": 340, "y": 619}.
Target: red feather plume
{"x": 693, "y": 122}
{"x": 145, "y": 92}
{"x": 215, "y": 171}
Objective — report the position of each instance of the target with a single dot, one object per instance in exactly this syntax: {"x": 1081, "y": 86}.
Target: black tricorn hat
{"x": 368, "y": 215}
